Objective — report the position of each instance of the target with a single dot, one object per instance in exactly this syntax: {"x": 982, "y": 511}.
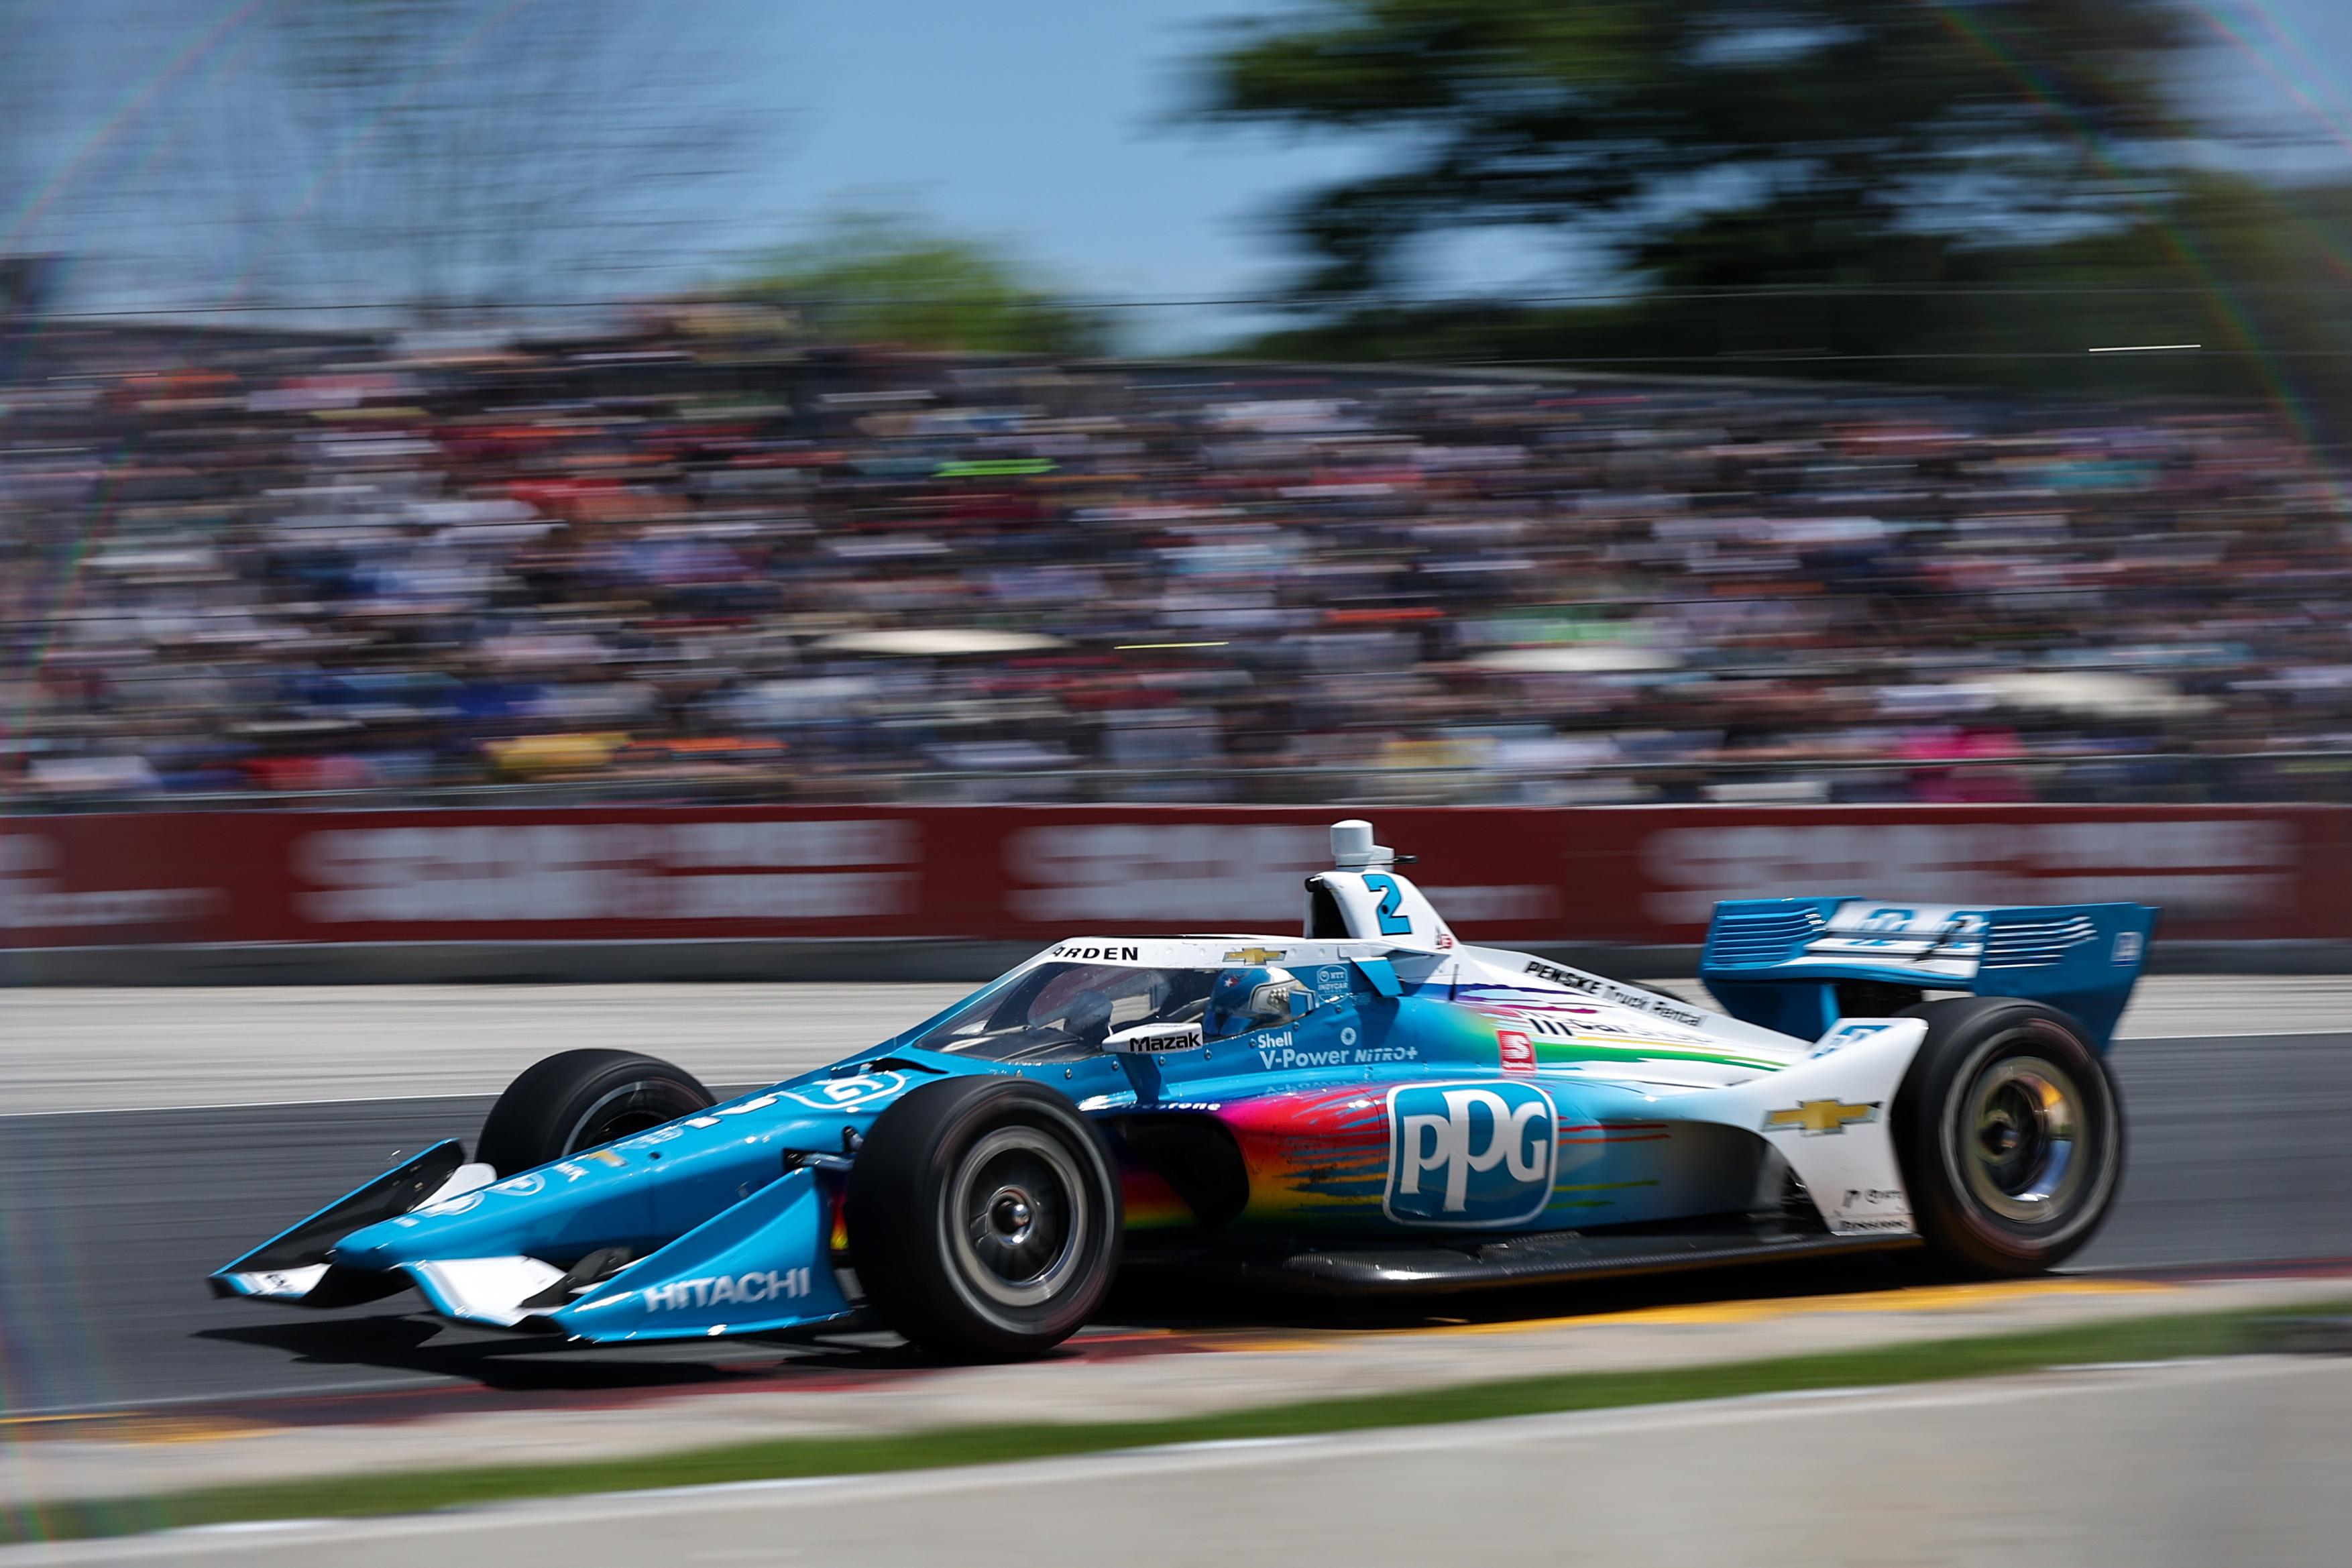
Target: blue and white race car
{"x": 1369, "y": 1106}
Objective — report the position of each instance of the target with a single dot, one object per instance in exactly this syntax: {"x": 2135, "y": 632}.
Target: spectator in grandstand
{"x": 655, "y": 563}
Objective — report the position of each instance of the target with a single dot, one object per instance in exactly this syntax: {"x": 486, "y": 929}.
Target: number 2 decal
{"x": 1391, "y": 899}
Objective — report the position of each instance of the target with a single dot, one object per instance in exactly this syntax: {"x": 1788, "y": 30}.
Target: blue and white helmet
{"x": 1258, "y": 997}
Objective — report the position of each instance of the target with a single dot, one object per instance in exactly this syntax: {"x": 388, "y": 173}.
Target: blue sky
{"x": 1050, "y": 124}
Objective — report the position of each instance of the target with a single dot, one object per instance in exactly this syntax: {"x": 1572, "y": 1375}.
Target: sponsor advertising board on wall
{"x": 1507, "y": 874}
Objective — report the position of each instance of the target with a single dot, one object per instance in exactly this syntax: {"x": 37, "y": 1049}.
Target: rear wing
{"x": 1797, "y": 965}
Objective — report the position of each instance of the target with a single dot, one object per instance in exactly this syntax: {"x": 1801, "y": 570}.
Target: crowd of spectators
{"x": 693, "y": 557}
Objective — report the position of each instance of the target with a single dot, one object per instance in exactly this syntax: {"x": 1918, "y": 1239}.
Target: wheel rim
{"x": 1017, "y": 1218}
{"x": 622, "y": 1113}
{"x": 2022, "y": 1134}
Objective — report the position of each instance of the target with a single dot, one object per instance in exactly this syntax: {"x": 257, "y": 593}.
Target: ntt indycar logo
{"x": 1469, "y": 1154}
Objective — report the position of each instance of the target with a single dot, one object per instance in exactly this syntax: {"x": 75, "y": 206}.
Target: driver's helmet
{"x": 1256, "y": 998}
{"x": 1087, "y": 1017}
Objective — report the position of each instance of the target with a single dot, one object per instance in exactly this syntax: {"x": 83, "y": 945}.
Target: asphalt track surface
{"x": 109, "y": 1220}
{"x": 2181, "y": 1466}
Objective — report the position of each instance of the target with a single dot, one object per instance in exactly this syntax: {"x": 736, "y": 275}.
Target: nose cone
{"x": 639, "y": 1193}
{"x": 375, "y": 1247}
{"x": 510, "y": 1217}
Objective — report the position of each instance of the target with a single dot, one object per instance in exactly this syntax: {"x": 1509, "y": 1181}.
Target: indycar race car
{"x": 1372, "y": 1106}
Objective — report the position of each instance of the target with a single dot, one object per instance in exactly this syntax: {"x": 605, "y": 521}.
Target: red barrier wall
{"x": 1617, "y": 873}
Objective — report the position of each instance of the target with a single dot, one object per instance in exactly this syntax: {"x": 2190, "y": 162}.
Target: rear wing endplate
{"x": 1781, "y": 963}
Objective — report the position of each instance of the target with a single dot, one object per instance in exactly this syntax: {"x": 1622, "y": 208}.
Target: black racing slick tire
{"x": 984, "y": 1218}
{"x": 2010, "y": 1134}
{"x": 578, "y": 1100}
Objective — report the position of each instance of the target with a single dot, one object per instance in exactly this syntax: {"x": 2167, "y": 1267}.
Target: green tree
{"x": 873, "y": 277}
{"x": 1941, "y": 190}
{"x": 1710, "y": 143}
{"x": 2258, "y": 274}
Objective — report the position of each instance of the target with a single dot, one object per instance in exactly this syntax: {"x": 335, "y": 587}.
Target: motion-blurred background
{"x": 830, "y": 412}
{"x": 601, "y": 491}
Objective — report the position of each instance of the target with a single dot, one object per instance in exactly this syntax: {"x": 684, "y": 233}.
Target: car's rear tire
{"x": 2010, "y": 1134}
{"x": 578, "y": 1100}
{"x": 985, "y": 1218}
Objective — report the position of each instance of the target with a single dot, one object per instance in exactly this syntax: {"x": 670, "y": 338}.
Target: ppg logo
{"x": 1468, "y": 1154}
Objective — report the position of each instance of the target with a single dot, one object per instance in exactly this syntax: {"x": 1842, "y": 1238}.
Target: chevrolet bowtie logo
{"x": 1253, "y": 956}
{"x": 1818, "y": 1116}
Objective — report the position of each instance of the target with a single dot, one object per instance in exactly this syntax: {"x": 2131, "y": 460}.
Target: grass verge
{"x": 2144, "y": 1338}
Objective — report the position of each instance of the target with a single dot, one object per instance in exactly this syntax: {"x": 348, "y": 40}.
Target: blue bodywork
{"x": 1418, "y": 1093}
{"x": 1776, "y": 963}
{"x": 730, "y": 1215}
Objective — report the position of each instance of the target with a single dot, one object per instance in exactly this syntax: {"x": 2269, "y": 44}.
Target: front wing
{"x": 761, "y": 1265}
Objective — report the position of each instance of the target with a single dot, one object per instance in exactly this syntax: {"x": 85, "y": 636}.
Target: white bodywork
{"x": 1822, "y": 1104}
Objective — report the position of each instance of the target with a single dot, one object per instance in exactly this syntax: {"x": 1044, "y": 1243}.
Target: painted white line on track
{"x": 254, "y": 1527}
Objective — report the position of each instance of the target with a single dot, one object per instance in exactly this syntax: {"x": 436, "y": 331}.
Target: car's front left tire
{"x": 985, "y": 1218}
{"x": 573, "y": 1100}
